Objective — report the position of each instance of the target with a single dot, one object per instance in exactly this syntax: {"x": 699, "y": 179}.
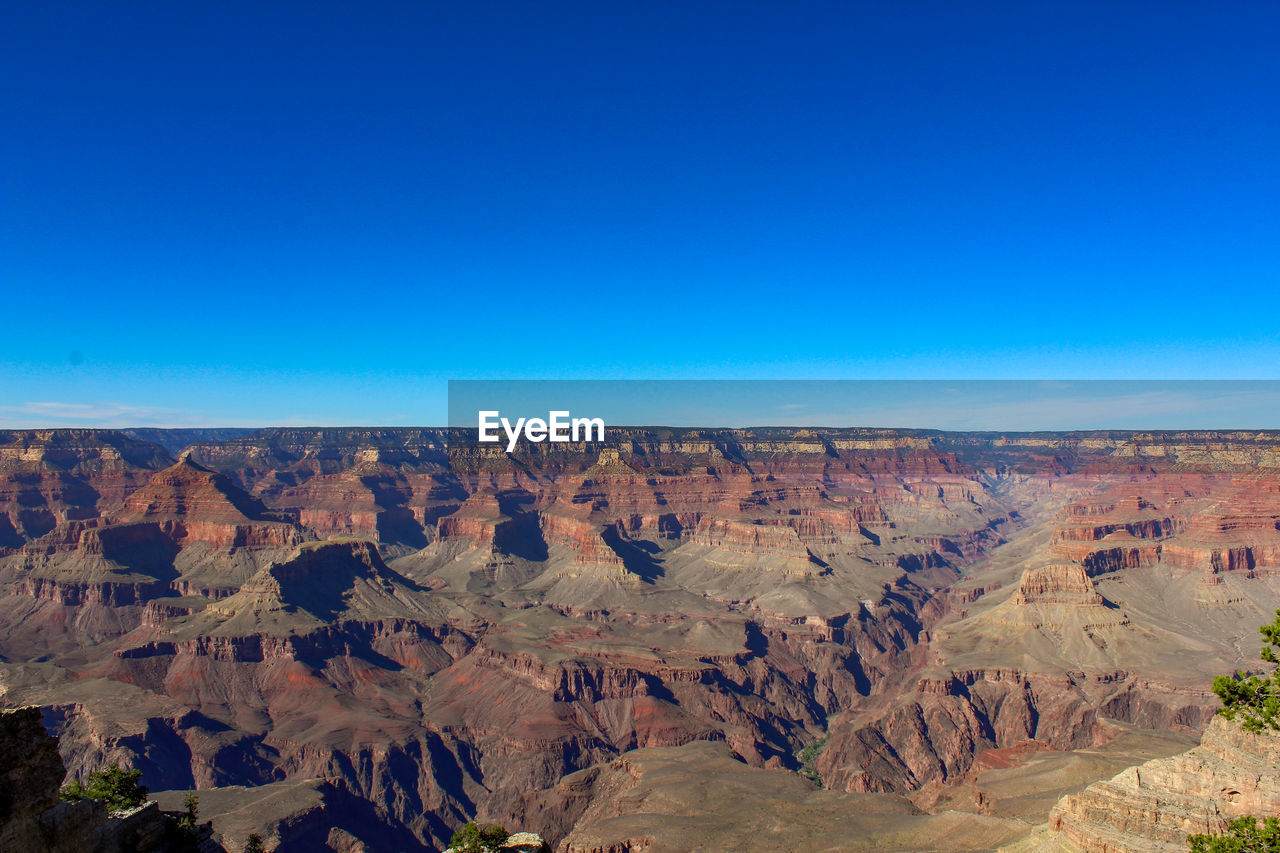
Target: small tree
{"x": 113, "y": 785}
{"x": 473, "y": 838}
{"x": 1254, "y": 698}
{"x": 191, "y": 810}
{"x": 253, "y": 844}
{"x": 1244, "y": 835}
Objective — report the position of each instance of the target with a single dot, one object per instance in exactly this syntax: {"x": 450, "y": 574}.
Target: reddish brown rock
{"x": 500, "y": 623}
{"x": 194, "y": 504}
{"x": 55, "y": 477}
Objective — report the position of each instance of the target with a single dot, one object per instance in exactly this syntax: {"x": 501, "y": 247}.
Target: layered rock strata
{"x": 1152, "y": 808}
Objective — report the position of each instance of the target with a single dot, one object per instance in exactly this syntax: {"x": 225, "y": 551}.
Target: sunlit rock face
{"x": 440, "y": 633}
{"x": 1152, "y": 808}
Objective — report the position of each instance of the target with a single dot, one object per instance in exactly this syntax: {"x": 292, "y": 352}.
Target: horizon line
{"x": 704, "y": 427}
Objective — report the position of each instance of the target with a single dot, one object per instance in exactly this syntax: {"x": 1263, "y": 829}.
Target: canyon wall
{"x": 438, "y": 632}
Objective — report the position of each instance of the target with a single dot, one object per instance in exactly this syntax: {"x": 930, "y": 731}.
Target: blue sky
{"x": 993, "y": 404}
{"x": 318, "y": 213}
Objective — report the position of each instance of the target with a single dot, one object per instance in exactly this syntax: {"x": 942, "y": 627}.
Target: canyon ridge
{"x": 761, "y": 639}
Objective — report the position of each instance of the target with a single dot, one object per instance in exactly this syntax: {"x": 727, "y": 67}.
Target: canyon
{"x": 757, "y": 639}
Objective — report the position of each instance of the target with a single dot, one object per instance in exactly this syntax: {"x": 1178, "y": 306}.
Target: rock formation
{"x": 1152, "y": 808}
{"x": 367, "y": 636}
{"x": 34, "y": 817}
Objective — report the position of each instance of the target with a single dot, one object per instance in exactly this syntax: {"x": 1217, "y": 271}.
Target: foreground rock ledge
{"x": 33, "y": 817}
{"x": 1153, "y": 807}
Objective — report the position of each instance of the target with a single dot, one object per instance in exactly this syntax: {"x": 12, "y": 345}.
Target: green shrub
{"x": 113, "y": 785}
{"x": 1244, "y": 835}
{"x": 1255, "y": 699}
{"x": 808, "y": 758}
{"x": 473, "y": 838}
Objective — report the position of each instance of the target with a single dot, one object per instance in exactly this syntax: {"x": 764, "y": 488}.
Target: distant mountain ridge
{"x": 175, "y": 439}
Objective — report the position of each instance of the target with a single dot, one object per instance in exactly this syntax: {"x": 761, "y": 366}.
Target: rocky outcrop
{"x": 1057, "y": 584}
{"x": 51, "y": 477}
{"x": 1140, "y": 524}
{"x": 934, "y": 736}
{"x": 389, "y": 485}
{"x": 193, "y": 504}
{"x": 517, "y": 842}
{"x": 1152, "y": 808}
{"x": 34, "y": 817}
{"x": 583, "y": 538}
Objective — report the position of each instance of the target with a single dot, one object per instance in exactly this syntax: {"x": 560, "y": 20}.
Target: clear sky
{"x": 992, "y": 404}
{"x": 259, "y": 213}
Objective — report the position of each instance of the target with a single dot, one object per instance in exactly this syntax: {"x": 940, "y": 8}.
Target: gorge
{"x": 362, "y": 638}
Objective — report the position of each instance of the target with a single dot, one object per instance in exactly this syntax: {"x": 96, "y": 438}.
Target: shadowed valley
{"x": 688, "y": 639}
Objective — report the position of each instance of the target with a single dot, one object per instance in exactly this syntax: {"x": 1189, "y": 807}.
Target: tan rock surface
{"x": 1153, "y": 807}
